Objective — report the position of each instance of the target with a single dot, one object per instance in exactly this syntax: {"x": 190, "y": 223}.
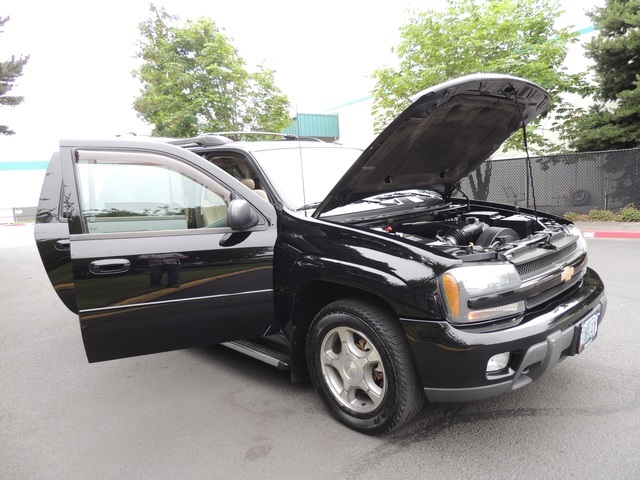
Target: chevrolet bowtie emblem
{"x": 567, "y": 274}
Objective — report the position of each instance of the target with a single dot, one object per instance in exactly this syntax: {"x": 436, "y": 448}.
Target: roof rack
{"x": 213, "y": 139}
{"x": 239, "y": 133}
{"x": 283, "y": 136}
{"x": 204, "y": 140}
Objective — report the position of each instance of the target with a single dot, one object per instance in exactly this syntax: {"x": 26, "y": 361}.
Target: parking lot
{"x": 213, "y": 413}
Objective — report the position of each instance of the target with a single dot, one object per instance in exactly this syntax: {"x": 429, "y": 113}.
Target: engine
{"x": 471, "y": 233}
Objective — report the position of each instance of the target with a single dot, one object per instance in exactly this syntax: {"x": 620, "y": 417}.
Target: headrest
{"x": 248, "y": 182}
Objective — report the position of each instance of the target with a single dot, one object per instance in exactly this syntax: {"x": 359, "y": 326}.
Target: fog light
{"x": 498, "y": 362}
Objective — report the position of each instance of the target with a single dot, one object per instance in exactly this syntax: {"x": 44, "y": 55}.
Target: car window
{"x": 306, "y": 175}
{"x": 135, "y": 192}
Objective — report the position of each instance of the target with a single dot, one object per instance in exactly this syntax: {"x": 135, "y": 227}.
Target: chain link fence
{"x": 576, "y": 182}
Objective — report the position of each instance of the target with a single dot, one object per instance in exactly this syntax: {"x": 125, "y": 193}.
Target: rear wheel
{"x": 361, "y": 364}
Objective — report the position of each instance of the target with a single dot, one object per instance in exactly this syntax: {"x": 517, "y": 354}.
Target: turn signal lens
{"x": 452, "y": 292}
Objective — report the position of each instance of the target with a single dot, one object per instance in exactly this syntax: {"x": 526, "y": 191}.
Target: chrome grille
{"x": 552, "y": 292}
{"x": 540, "y": 264}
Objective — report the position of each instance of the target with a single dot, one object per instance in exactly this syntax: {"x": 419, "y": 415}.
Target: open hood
{"x": 445, "y": 134}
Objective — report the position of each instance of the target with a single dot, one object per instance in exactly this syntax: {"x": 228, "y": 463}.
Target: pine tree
{"x": 10, "y": 71}
{"x": 613, "y": 122}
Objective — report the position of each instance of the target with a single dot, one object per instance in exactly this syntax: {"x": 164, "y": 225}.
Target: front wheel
{"x": 360, "y": 362}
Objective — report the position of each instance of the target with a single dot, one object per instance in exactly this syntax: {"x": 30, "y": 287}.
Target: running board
{"x": 260, "y": 352}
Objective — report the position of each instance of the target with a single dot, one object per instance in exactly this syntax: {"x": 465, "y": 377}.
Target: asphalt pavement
{"x": 214, "y": 413}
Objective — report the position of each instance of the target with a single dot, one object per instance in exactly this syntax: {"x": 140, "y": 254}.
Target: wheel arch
{"x": 310, "y": 298}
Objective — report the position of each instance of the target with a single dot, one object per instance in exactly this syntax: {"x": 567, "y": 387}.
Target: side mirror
{"x": 241, "y": 215}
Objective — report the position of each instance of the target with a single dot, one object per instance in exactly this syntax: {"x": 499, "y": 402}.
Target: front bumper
{"x": 452, "y": 361}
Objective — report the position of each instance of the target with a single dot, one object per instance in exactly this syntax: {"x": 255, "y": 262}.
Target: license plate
{"x": 588, "y": 331}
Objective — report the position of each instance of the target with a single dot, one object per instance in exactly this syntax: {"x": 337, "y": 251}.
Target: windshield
{"x": 304, "y": 176}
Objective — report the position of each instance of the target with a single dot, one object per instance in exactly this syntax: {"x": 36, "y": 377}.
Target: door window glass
{"x": 133, "y": 192}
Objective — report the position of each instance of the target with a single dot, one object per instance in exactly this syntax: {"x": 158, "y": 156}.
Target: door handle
{"x": 63, "y": 245}
{"x": 234, "y": 238}
{"x": 109, "y": 266}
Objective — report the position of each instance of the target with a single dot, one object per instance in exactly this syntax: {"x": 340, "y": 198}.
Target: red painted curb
{"x": 609, "y": 234}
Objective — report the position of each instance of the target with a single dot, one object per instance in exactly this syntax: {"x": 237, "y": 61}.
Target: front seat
{"x": 250, "y": 183}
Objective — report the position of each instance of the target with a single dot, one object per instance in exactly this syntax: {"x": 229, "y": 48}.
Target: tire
{"x": 580, "y": 197}
{"x": 360, "y": 362}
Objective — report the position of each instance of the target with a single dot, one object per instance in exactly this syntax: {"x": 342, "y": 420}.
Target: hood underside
{"x": 445, "y": 134}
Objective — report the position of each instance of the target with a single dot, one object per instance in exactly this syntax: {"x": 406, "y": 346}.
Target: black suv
{"x": 365, "y": 270}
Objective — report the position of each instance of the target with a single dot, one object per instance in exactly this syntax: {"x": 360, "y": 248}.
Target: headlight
{"x": 582, "y": 242}
{"x": 462, "y": 284}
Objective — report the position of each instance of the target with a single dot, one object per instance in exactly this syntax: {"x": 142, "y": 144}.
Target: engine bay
{"x": 476, "y": 234}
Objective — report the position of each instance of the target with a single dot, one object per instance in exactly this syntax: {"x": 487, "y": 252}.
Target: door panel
{"x": 51, "y": 234}
{"x": 152, "y": 270}
{"x": 170, "y": 298}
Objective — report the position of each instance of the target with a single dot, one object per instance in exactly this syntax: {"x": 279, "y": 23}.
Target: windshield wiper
{"x": 388, "y": 196}
{"x": 308, "y": 206}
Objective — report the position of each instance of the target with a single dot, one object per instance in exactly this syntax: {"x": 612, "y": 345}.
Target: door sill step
{"x": 260, "y": 352}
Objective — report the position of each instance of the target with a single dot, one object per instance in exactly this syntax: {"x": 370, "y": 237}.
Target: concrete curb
{"x": 609, "y": 234}
{"x": 609, "y": 229}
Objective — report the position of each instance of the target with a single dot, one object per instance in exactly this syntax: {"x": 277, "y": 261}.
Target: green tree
{"x": 195, "y": 81}
{"x": 613, "y": 121}
{"x": 10, "y": 70}
{"x": 517, "y": 37}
